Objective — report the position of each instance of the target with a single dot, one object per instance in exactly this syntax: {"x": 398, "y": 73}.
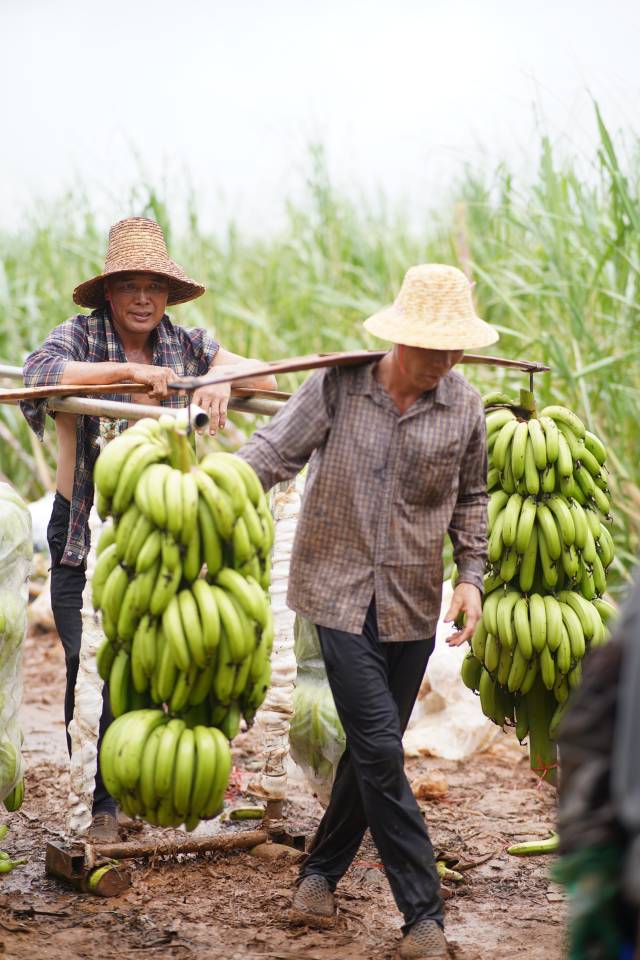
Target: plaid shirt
{"x": 92, "y": 339}
{"x": 382, "y": 490}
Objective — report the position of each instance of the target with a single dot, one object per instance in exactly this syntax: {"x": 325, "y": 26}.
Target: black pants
{"x": 374, "y": 686}
{"x": 67, "y": 584}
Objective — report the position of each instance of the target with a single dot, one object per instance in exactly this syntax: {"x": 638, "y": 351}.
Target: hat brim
{"x": 91, "y": 292}
{"x": 389, "y": 324}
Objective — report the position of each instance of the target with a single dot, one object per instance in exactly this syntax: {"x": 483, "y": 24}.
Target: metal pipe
{"x": 14, "y": 373}
{"x": 125, "y": 411}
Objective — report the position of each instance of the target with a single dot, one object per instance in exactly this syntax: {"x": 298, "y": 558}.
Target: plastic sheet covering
{"x": 272, "y": 720}
{"x": 83, "y": 729}
{"x": 16, "y": 552}
{"x": 317, "y": 738}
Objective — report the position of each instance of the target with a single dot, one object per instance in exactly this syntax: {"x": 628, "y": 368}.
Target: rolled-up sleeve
{"x": 468, "y": 526}
{"x": 281, "y": 449}
{"x": 44, "y": 367}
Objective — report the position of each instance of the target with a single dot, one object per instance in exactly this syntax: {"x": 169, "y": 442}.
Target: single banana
{"x": 574, "y": 630}
{"x": 470, "y": 671}
{"x": 233, "y": 627}
{"x": 146, "y": 783}
{"x": 547, "y": 668}
{"x": 120, "y": 684}
{"x": 174, "y": 632}
{"x": 201, "y": 689}
{"x": 189, "y": 614}
{"x": 218, "y": 502}
{"x": 154, "y": 504}
{"x": 497, "y": 501}
{"x": 595, "y": 446}
{"x": 248, "y": 474}
{"x": 561, "y": 415}
{"x": 166, "y": 671}
{"x": 225, "y": 672}
{"x": 211, "y": 544}
{"x": 509, "y": 564}
{"x": 141, "y": 532}
{"x": 184, "y": 771}
{"x": 553, "y": 618}
{"x": 131, "y": 747}
{"x": 257, "y": 534}
{"x": 522, "y": 719}
{"x": 587, "y": 583}
{"x": 113, "y": 592}
{"x": 181, "y": 694}
{"x": 192, "y": 560}
{"x": 503, "y": 443}
{"x": 204, "y": 771}
{"x": 495, "y": 546}
{"x": 490, "y": 611}
{"x": 511, "y": 518}
{"x": 548, "y": 479}
{"x": 538, "y": 443}
{"x": 487, "y": 691}
{"x": 108, "y": 750}
{"x": 522, "y": 628}
{"x": 230, "y": 726}
{"x": 526, "y": 523}
{"x": 107, "y": 537}
{"x": 549, "y": 531}
{"x": 166, "y": 760}
{"x": 135, "y": 464}
{"x": 222, "y": 772}
{"x": 504, "y": 666}
{"x": 562, "y": 513}
{"x": 249, "y": 599}
{"x": 518, "y": 450}
{"x": 599, "y": 576}
{"x": 551, "y": 437}
{"x": 529, "y": 558}
{"x": 165, "y": 588}
{"x": 139, "y": 675}
{"x": 149, "y": 551}
{"x": 479, "y": 640}
{"x": 538, "y": 622}
{"x": 226, "y": 476}
{"x": 111, "y": 461}
{"x": 529, "y": 677}
{"x": 585, "y": 611}
{"x": 579, "y": 523}
{"x": 564, "y": 464}
{"x": 242, "y": 547}
{"x": 105, "y": 564}
{"x": 497, "y": 419}
{"x": 127, "y": 618}
{"x": 209, "y": 615}
{"x": 605, "y": 546}
{"x": 570, "y": 561}
{"x": 173, "y": 502}
{"x": 105, "y": 655}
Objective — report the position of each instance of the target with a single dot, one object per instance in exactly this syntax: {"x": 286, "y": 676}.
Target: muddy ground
{"x": 234, "y": 907}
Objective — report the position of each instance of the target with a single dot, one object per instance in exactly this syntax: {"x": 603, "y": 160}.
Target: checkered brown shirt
{"x": 92, "y": 339}
{"x": 382, "y": 490}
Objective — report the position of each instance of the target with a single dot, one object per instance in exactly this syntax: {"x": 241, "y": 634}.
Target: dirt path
{"x": 235, "y": 907}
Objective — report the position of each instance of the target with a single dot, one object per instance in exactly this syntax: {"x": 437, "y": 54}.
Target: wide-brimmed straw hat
{"x": 138, "y": 245}
{"x": 433, "y": 310}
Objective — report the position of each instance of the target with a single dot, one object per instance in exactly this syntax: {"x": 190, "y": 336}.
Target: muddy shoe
{"x": 313, "y": 903}
{"x": 425, "y": 941}
{"x": 103, "y": 829}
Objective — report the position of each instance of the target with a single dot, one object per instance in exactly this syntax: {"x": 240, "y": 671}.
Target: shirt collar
{"x": 366, "y": 383}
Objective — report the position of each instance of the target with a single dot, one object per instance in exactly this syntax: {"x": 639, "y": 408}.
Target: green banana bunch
{"x": 163, "y": 770}
{"x": 549, "y": 549}
{"x": 181, "y": 581}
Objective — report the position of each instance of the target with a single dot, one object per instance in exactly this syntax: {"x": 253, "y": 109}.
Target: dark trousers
{"x": 67, "y": 584}
{"x": 374, "y": 686}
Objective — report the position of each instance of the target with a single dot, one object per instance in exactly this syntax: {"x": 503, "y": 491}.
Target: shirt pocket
{"x": 431, "y": 468}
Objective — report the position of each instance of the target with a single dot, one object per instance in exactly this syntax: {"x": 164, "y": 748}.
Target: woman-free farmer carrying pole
{"x": 398, "y": 457}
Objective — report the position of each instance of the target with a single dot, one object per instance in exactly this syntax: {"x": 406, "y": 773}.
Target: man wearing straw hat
{"x": 397, "y": 458}
{"x": 127, "y": 337}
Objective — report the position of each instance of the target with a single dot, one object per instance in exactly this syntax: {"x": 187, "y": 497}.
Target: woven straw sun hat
{"x": 138, "y": 245}
{"x": 433, "y": 310}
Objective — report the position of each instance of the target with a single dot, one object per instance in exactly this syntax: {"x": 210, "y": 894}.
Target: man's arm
{"x": 468, "y": 532}
{"x": 280, "y": 450}
{"x": 215, "y": 397}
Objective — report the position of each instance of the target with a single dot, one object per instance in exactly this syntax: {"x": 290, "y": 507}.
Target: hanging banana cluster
{"x": 548, "y": 554}
{"x": 181, "y": 581}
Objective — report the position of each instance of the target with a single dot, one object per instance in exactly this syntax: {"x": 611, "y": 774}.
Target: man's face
{"x": 424, "y": 368}
{"x": 138, "y": 300}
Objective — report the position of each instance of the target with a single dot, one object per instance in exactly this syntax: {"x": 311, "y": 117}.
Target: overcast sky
{"x": 401, "y": 93}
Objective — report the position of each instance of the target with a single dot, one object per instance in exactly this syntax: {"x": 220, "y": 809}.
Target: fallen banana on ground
{"x": 181, "y": 580}
{"x": 548, "y": 554}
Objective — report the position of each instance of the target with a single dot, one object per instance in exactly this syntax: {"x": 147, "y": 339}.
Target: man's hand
{"x": 214, "y": 400}
{"x": 156, "y": 378}
{"x": 468, "y": 600}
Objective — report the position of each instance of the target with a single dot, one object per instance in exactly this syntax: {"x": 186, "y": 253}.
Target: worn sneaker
{"x": 313, "y": 903}
{"x": 425, "y": 941}
{"x": 103, "y": 829}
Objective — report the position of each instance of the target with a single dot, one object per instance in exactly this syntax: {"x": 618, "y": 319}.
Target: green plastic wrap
{"x": 16, "y": 552}
{"x": 316, "y": 736}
